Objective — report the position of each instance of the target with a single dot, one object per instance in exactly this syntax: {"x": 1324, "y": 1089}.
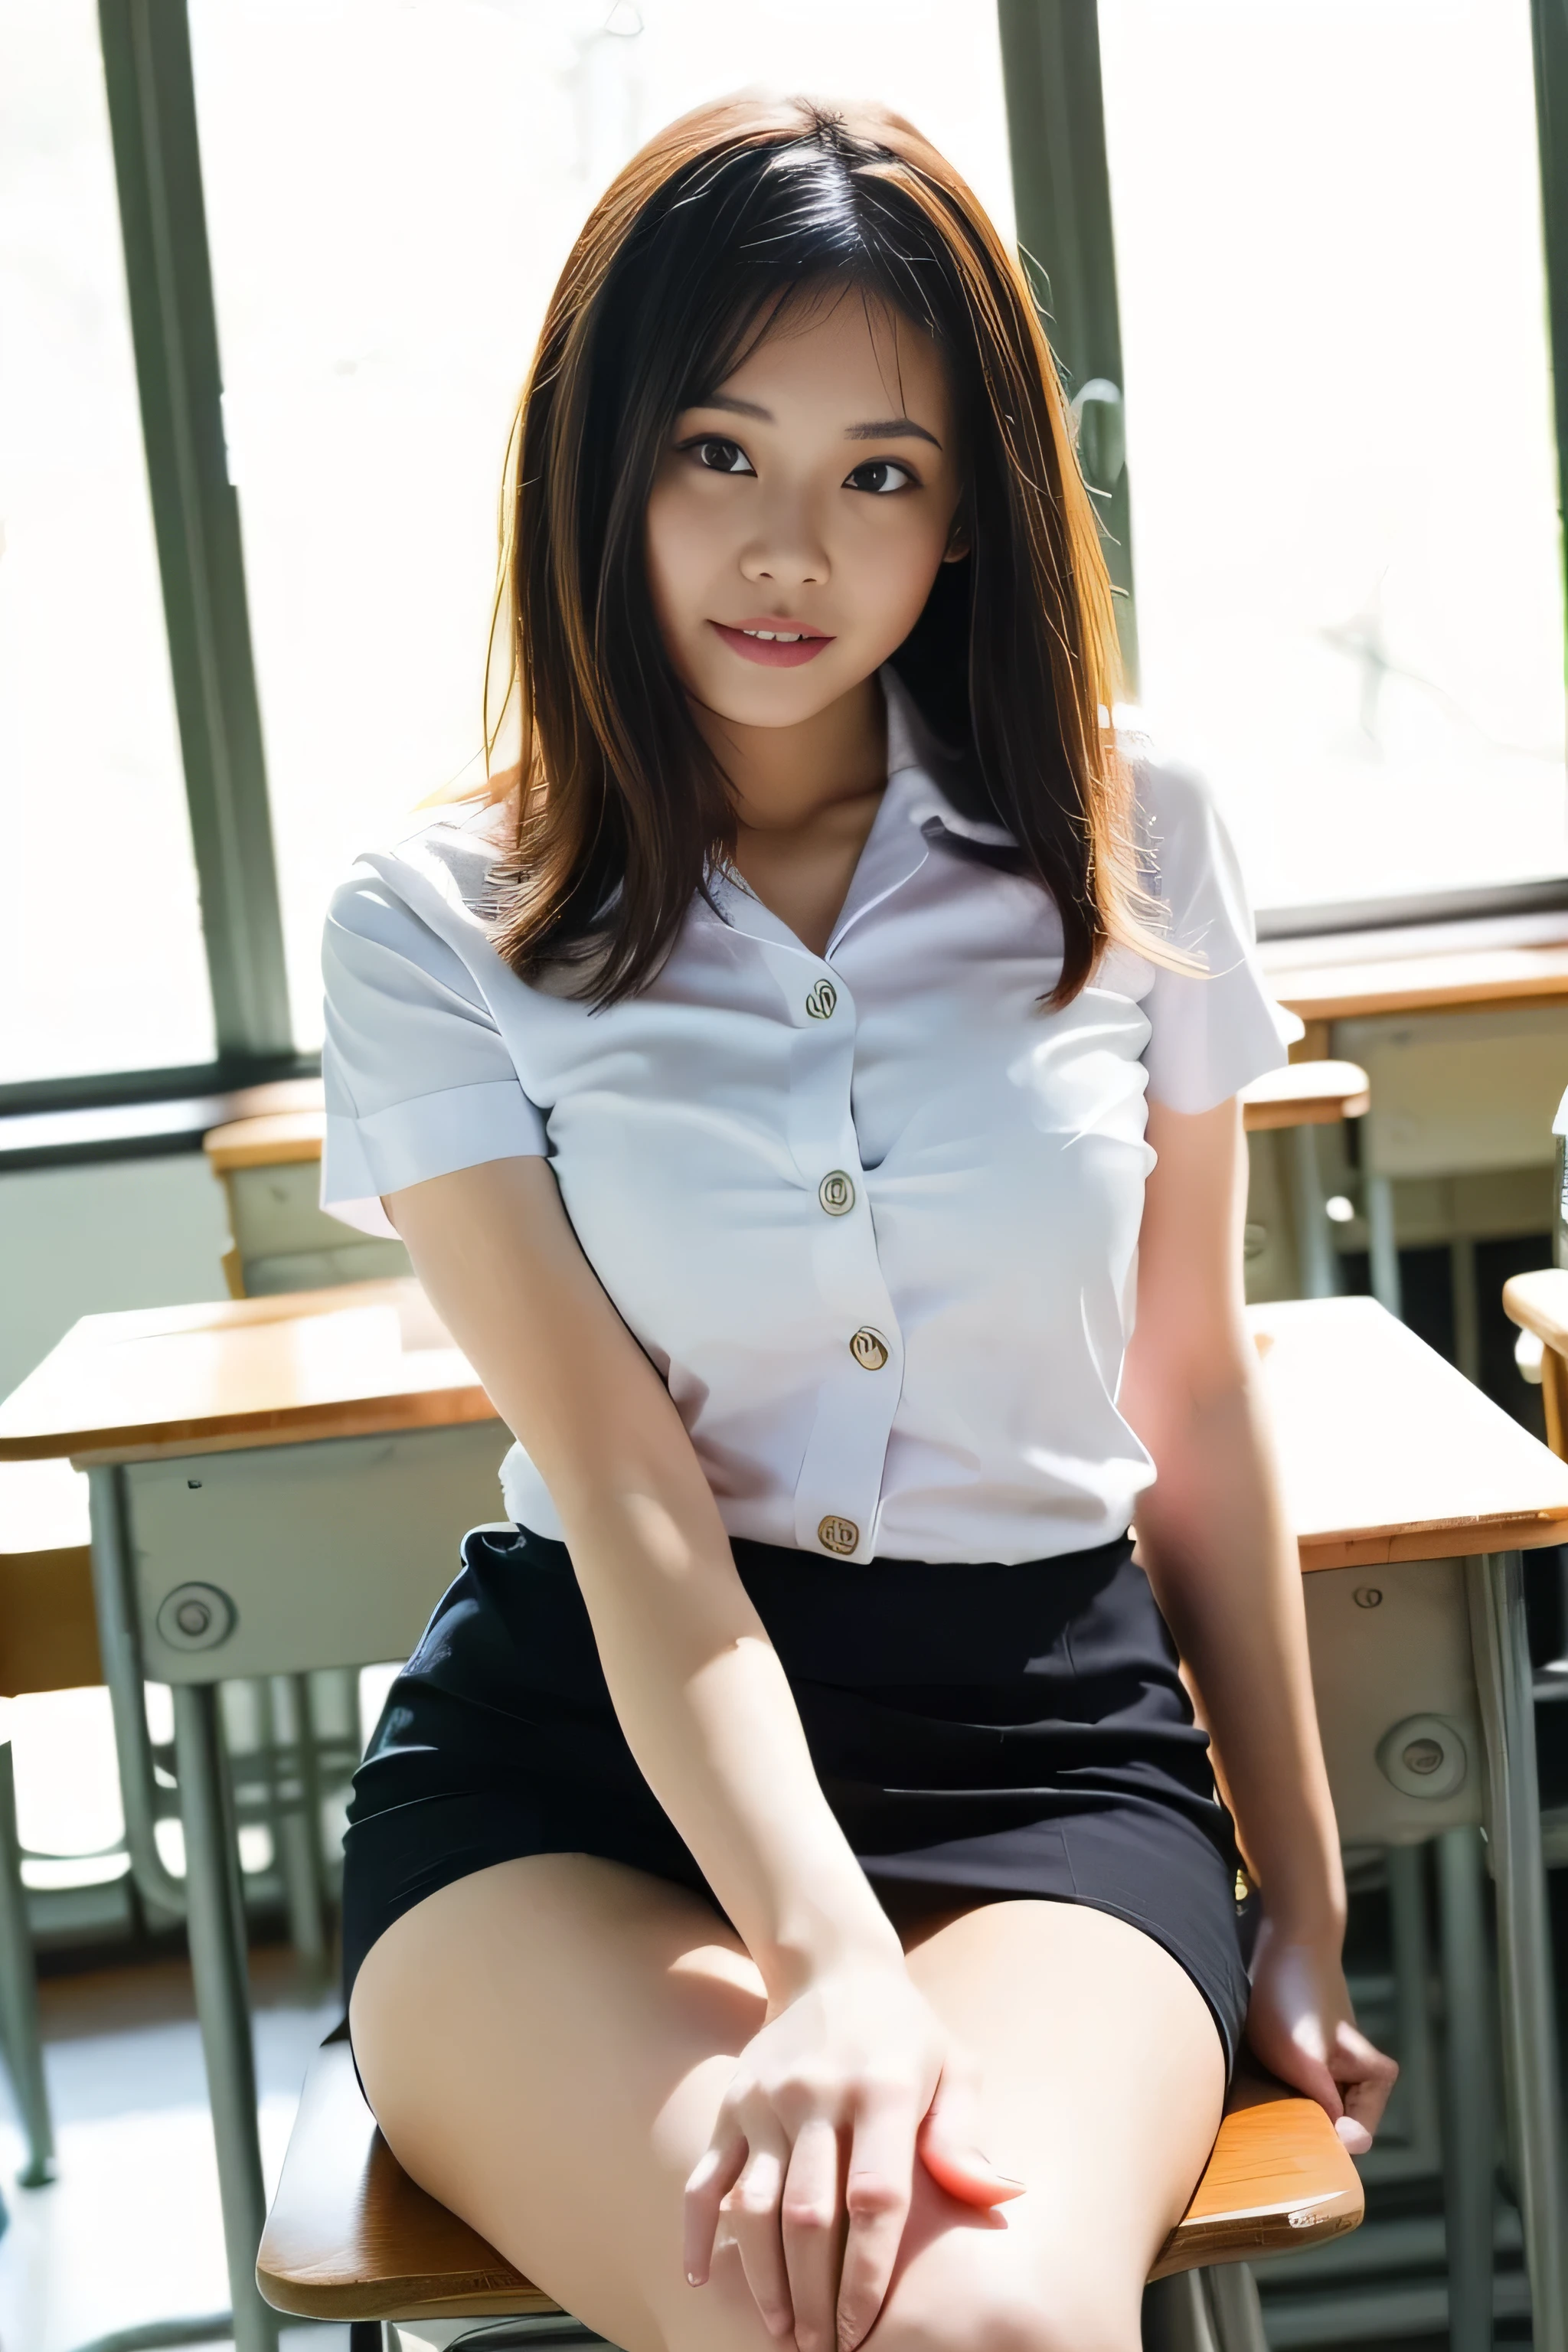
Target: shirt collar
{"x": 912, "y": 755}
{"x": 913, "y": 813}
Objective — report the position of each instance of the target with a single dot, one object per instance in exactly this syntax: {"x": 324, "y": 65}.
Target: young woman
{"x": 786, "y": 1892}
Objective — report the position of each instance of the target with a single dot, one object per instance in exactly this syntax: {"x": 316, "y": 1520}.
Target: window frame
{"x": 1061, "y": 189}
{"x": 146, "y": 54}
{"x": 1051, "y": 70}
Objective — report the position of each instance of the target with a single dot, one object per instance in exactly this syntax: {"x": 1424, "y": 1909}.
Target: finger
{"x": 813, "y": 2232}
{"x": 1304, "y": 2070}
{"x": 1365, "y": 2077}
{"x": 949, "y": 2144}
{"x": 877, "y": 2192}
{"x": 712, "y": 2178}
{"x": 751, "y": 2210}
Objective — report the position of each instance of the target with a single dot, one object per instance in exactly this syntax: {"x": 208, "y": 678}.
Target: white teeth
{"x": 776, "y": 637}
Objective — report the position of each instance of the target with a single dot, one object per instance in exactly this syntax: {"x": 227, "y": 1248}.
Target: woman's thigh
{"x": 546, "y": 2045}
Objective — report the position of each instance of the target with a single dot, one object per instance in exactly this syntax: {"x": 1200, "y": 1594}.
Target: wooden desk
{"x": 1290, "y": 1102}
{"x": 274, "y": 1140}
{"x": 282, "y": 1239}
{"x": 274, "y": 1485}
{"x": 1463, "y": 1027}
{"x": 240, "y": 1372}
{"x": 1513, "y": 959}
{"x": 1304, "y": 1094}
{"x": 299, "y": 1473}
{"x": 1387, "y": 1453}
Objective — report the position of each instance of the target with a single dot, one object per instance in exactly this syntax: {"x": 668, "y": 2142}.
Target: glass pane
{"x": 1344, "y": 499}
{"x": 378, "y": 303}
{"x": 100, "y": 950}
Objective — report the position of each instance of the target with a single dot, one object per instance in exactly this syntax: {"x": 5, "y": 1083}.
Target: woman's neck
{"x": 806, "y": 798}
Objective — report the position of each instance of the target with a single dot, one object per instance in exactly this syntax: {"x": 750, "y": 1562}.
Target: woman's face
{"x": 797, "y": 518}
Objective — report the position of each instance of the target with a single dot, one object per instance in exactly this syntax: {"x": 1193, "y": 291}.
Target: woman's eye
{"x": 879, "y": 474}
{"x": 716, "y": 456}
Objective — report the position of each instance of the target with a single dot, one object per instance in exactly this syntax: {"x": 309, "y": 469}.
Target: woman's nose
{"x": 787, "y": 550}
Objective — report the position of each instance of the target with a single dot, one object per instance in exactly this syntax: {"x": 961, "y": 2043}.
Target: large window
{"x": 1339, "y": 432}
{"x": 101, "y": 943}
{"x": 338, "y": 223}
{"x": 379, "y": 294}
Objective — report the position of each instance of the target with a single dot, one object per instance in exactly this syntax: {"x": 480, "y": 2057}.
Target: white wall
{"x": 84, "y": 1240}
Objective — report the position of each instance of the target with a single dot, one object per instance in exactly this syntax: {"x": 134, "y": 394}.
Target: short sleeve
{"x": 1214, "y": 1031}
{"x": 418, "y": 1079}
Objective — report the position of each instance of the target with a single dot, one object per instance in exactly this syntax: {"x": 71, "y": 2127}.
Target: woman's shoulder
{"x": 1176, "y": 820}
{"x": 448, "y": 858}
{"x": 1187, "y": 859}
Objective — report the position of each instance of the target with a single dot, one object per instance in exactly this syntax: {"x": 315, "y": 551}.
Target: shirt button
{"x": 821, "y": 1001}
{"x": 868, "y": 1348}
{"x": 837, "y": 1535}
{"x": 836, "y": 1193}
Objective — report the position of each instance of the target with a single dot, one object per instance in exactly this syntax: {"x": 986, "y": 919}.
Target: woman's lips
{"x": 771, "y": 653}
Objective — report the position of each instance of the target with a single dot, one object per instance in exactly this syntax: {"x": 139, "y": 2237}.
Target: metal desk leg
{"x": 297, "y": 1814}
{"x": 19, "y": 1992}
{"x": 1466, "y": 1306}
{"x": 1469, "y": 2140}
{"x": 1414, "y": 2044}
{"x": 1377, "y": 1194}
{"x": 1495, "y": 1593}
{"x": 114, "y": 1604}
{"x": 1316, "y": 1260}
{"x": 216, "y": 1926}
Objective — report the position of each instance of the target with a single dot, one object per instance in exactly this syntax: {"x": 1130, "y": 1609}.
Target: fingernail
{"x": 693, "y": 2278}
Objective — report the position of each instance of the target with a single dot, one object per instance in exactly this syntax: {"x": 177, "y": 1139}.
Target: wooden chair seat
{"x": 48, "y": 1632}
{"x": 351, "y": 2237}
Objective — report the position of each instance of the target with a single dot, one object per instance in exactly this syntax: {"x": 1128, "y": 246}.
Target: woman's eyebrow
{"x": 736, "y": 407}
{"x": 891, "y": 428}
{"x": 884, "y": 428}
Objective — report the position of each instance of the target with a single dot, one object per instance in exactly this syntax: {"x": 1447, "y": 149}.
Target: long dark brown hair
{"x": 730, "y": 214}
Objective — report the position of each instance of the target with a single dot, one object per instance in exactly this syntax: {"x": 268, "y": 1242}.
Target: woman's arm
{"x": 1213, "y": 1538}
{"x": 849, "y": 2047}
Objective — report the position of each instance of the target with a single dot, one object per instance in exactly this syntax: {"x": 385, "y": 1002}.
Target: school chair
{"x": 349, "y": 2237}
{"x": 48, "y": 1642}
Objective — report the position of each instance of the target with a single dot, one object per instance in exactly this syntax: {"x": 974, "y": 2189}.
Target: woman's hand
{"x": 1301, "y": 2025}
{"x": 813, "y": 2155}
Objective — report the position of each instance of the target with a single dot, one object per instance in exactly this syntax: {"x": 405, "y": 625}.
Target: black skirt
{"x": 980, "y": 1732}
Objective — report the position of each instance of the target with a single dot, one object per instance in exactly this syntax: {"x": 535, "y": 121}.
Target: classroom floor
{"x": 130, "y": 2230}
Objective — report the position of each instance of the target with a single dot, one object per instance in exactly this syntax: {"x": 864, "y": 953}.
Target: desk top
{"x": 358, "y": 1360}
{"x": 1506, "y": 959}
{"x": 1387, "y": 1452}
{"x": 1390, "y": 1454}
{"x": 276, "y": 1138}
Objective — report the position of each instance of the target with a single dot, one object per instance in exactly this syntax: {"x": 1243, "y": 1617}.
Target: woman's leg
{"x": 546, "y": 2045}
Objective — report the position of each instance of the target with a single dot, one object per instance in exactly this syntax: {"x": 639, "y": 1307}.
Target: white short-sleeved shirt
{"x": 873, "y": 1215}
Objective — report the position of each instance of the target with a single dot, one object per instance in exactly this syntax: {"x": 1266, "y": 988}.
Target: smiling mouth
{"x": 773, "y": 647}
